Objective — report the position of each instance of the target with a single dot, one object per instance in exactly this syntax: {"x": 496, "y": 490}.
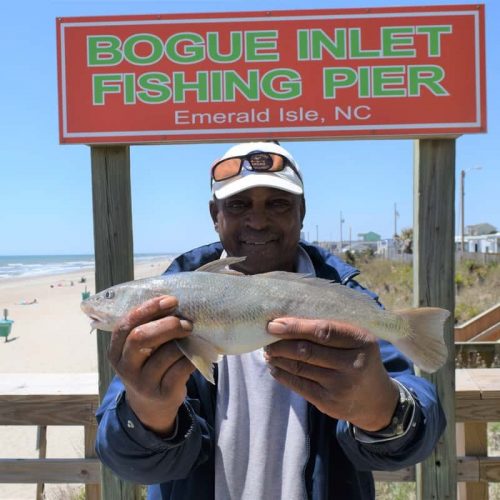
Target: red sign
{"x": 386, "y": 72}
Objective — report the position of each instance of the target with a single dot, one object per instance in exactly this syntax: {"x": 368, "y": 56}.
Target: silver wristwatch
{"x": 400, "y": 423}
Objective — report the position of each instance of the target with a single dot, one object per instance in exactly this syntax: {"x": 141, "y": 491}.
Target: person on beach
{"x": 309, "y": 416}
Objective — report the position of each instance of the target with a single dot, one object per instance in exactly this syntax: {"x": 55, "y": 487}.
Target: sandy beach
{"x": 49, "y": 335}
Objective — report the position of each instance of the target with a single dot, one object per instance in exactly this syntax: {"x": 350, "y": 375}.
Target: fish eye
{"x": 109, "y": 294}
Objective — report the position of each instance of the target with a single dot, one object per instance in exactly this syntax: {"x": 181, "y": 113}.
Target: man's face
{"x": 262, "y": 224}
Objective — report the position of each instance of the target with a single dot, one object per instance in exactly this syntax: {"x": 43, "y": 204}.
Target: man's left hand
{"x": 335, "y": 366}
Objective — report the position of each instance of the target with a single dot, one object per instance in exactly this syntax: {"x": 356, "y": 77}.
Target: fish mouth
{"x": 96, "y": 323}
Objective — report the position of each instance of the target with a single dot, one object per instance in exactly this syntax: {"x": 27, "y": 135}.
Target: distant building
{"x": 480, "y": 229}
{"x": 483, "y": 243}
{"x": 370, "y": 236}
{"x": 388, "y": 249}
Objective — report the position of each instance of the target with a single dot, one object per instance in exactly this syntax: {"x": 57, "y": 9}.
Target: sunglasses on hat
{"x": 257, "y": 162}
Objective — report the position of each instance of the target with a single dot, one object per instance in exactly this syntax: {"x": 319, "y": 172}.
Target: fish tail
{"x": 201, "y": 353}
{"x": 425, "y": 344}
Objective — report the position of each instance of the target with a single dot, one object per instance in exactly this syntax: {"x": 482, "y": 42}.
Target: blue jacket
{"x": 182, "y": 468}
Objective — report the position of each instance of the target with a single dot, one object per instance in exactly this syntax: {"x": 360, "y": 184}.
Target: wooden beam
{"x": 469, "y": 468}
{"x": 434, "y": 270}
{"x": 49, "y": 470}
{"x": 114, "y": 262}
{"x": 92, "y": 491}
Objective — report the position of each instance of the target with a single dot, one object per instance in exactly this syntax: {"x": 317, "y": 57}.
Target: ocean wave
{"x": 40, "y": 265}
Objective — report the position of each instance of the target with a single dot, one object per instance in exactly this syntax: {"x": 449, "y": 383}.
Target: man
{"x": 309, "y": 417}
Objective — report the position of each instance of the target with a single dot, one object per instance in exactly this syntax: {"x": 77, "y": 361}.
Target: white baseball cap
{"x": 288, "y": 179}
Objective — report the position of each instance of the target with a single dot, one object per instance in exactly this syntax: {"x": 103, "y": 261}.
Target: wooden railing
{"x": 51, "y": 399}
{"x": 484, "y": 327}
{"x": 71, "y": 399}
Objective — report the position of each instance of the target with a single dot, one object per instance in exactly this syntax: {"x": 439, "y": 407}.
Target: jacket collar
{"x": 327, "y": 265}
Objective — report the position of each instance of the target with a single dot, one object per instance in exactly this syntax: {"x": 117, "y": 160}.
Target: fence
{"x": 71, "y": 399}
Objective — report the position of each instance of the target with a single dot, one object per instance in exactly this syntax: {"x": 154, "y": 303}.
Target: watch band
{"x": 399, "y": 425}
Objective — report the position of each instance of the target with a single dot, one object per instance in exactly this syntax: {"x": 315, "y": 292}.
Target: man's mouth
{"x": 257, "y": 242}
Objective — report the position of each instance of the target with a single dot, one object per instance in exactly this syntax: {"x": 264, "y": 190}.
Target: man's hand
{"x": 149, "y": 363}
{"x": 336, "y": 367}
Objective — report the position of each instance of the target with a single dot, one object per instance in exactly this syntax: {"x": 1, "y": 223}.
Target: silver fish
{"x": 230, "y": 312}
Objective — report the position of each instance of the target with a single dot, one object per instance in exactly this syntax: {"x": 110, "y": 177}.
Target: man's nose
{"x": 257, "y": 219}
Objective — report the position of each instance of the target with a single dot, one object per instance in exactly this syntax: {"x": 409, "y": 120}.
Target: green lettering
{"x": 355, "y": 44}
{"x": 191, "y": 53}
{"x": 382, "y": 77}
{"x": 303, "y": 45}
{"x": 199, "y": 87}
{"x": 213, "y": 47}
{"x": 103, "y": 50}
{"x": 364, "y": 81}
{"x": 155, "y": 88}
{"x": 425, "y": 76}
{"x": 249, "y": 89}
{"x": 335, "y": 78}
{"x": 216, "y": 86}
{"x": 258, "y": 41}
{"x": 129, "y": 88}
{"x": 155, "y": 49}
{"x": 390, "y": 40}
{"x": 105, "y": 84}
{"x": 281, "y": 84}
{"x": 320, "y": 41}
{"x": 434, "y": 37}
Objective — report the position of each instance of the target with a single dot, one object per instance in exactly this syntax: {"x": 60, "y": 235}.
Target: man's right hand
{"x": 149, "y": 363}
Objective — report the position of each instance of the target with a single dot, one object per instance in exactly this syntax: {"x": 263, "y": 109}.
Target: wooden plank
{"x": 92, "y": 491}
{"x": 488, "y": 381}
{"x": 476, "y": 443}
{"x": 402, "y": 475}
{"x": 49, "y": 470}
{"x": 69, "y": 411}
{"x": 434, "y": 269}
{"x": 478, "y": 324}
{"x": 483, "y": 410}
{"x": 114, "y": 262}
{"x": 53, "y": 384}
{"x": 489, "y": 469}
{"x": 41, "y": 445}
{"x": 469, "y": 468}
{"x": 466, "y": 386}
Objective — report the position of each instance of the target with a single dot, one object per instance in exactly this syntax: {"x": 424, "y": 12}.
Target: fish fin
{"x": 285, "y": 275}
{"x": 201, "y": 353}
{"x": 425, "y": 345}
{"x": 303, "y": 278}
{"x": 222, "y": 266}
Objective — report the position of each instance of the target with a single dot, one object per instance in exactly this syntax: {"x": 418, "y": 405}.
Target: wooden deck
{"x": 72, "y": 399}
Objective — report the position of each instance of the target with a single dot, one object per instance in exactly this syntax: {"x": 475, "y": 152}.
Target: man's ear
{"x": 302, "y": 211}
{"x": 214, "y": 211}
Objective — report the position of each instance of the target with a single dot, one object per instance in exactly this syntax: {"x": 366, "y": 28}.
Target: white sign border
{"x": 293, "y": 130}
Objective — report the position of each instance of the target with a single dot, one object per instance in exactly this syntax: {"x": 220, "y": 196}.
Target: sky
{"x": 46, "y": 195}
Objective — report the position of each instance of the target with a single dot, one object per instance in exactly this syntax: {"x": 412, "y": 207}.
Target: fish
{"x": 230, "y": 312}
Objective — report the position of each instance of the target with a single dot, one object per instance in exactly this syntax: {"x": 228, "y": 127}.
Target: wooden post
{"x": 434, "y": 270}
{"x": 114, "y": 261}
{"x": 41, "y": 444}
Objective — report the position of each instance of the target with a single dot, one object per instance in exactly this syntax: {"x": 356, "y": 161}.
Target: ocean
{"x": 16, "y": 266}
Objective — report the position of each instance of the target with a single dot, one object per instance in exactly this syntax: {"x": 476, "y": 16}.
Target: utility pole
{"x": 350, "y": 239}
{"x": 462, "y": 207}
{"x": 462, "y": 199}
{"x": 396, "y": 215}
{"x": 341, "y": 222}
{"x": 317, "y": 234}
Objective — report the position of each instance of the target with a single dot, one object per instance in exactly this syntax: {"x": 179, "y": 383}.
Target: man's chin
{"x": 257, "y": 264}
